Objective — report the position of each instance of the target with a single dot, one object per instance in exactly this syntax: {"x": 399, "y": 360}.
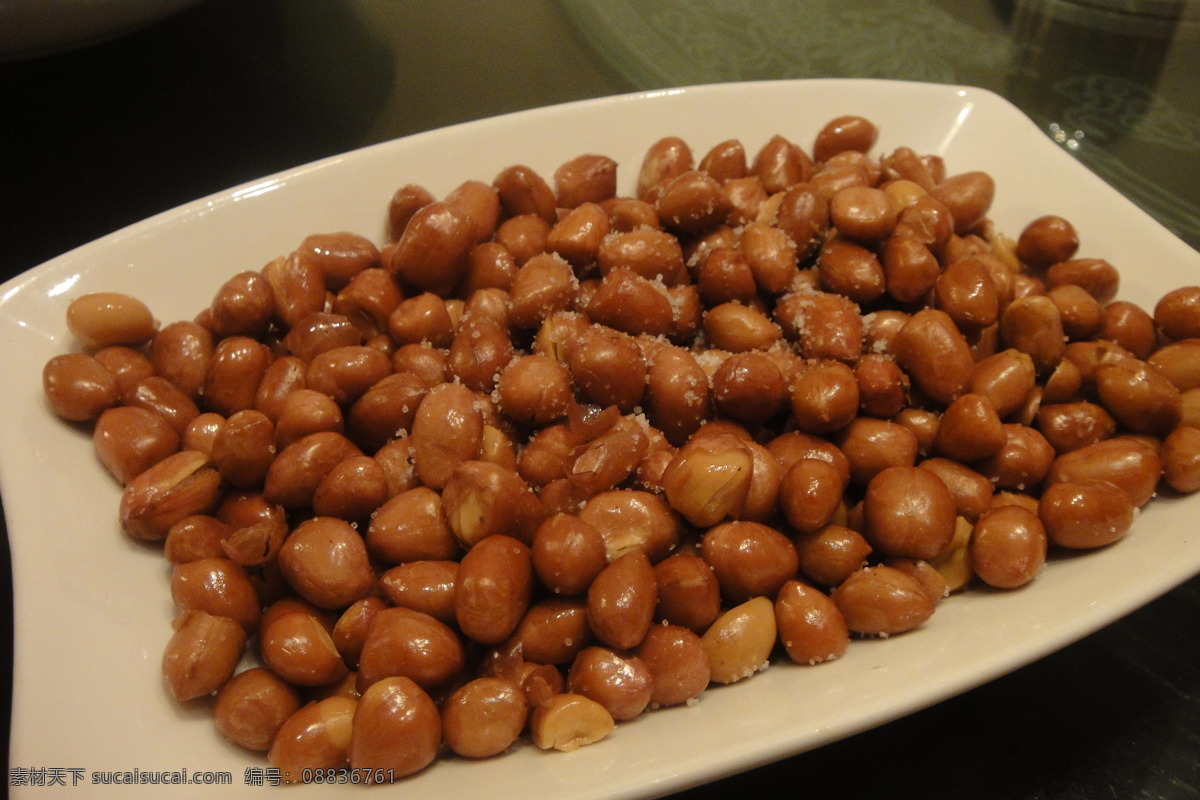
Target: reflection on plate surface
{"x": 92, "y": 609}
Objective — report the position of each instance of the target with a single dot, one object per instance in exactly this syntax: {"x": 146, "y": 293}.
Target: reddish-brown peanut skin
{"x": 305, "y": 411}
{"x": 553, "y": 631}
{"x": 1138, "y": 396}
{"x": 243, "y": 306}
{"x": 338, "y": 256}
{"x": 1130, "y": 326}
{"x": 966, "y": 291}
{"x": 495, "y": 582}
{"x": 749, "y": 559}
{"x": 431, "y": 253}
{"x": 863, "y": 213}
{"x": 1179, "y": 362}
{"x": 411, "y": 526}
{"x": 483, "y": 717}
{"x": 691, "y": 202}
{"x": 178, "y": 486}
{"x": 480, "y": 203}
{"x": 810, "y": 493}
{"x": 1008, "y": 547}
{"x": 1023, "y": 461}
{"x": 606, "y": 461}
{"x": 482, "y": 498}
{"x": 350, "y": 631}
{"x": 1122, "y": 461}
{"x": 632, "y": 519}
{"x": 872, "y": 445}
{"x": 522, "y": 190}
{"x": 795, "y": 446}
{"x": 708, "y": 479}
{"x": 910, "y": 268}
{"x": 847, "y": 132}
{"x": 678, "y": 664}
{"x": 315, "y": 737}
{"x": 970, "y": 429}
{"x": 781, "y": 163}
{"x": 297, "y": 287}
{"x": 587, "y": 178}
{"x": 1097, "y": 276}
{"x": 105, "y": 319}
{"x": 426, "y": 586}
{"x": 235, "y": 371}
{"x": 882, "y": 600}
{"x": 318, "y": 332}
{"x": 688, "y": 592}
{"x": 384, "y": 410}
{"x": 971, "y": 490}
{"x": 481, "y": 348}
{"x": 608, "y": 368}
{"x": 1005, "y": 379}
{"x": 667, "y": 158}
{"x": 1181, "y": 459}
{"x": 677, "y": 399}
{"x": 726, "y": 160}
{"x": 811, "y": 628}
{"x": 252, "y": 706}
{"x": 1070, "y": 426}
{"x": 297, "y": 646}
{"x": 129, "y": 440}
{"x": 298, "y": 469}
{"x": 882, "y": 385}
{"x": 850, "y": 269}
{"x": 1047, "y": 240}
{"x": 217, "y": 586}
{"x": 409, "y": 643}
{"x": 180, "y": 352}
{"x": 397, "y": 730}
{"x": 126, "y": 365}
{"x": 621, "y": 601}
{"x": 202, "y": 654}
{"x": 352, "y": 490}
{"x": 749, "y": 387}
{"x": 534, "y": 389}
{"x": 909, "y": 512}
{"x": 825, "y": 397}
{"x": 969, "y": 196}
{"x": 931, "y": 579}
{"x": 325, "y": 560}
{"x": 822, "y": 324}
{"x": 1177, "y": 313}
{"x": 620, "y": 682}
{"x": 346, "y": 373}
{"x": 568, "y": 553}
{"x": 447, "y": 430}
{"x": 739, "y": 328}
{"x": 831, "y": 554}
{"x": 244, "y": 448}
{"x": 935, "y": 355}
{"x": 195, "y": 537}
{"x": 1085, "y": 514}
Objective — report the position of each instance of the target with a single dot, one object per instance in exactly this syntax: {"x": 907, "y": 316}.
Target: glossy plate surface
{"x": 92, "y": 608}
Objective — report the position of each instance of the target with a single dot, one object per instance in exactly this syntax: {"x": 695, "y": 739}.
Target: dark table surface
{"x": 101, "y": 137}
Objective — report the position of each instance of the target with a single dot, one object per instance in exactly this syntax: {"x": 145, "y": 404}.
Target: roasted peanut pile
{"x": 551, "y": 457}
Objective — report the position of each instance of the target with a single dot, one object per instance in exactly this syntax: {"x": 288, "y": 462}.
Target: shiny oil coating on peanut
{"x": 552, "y": 457}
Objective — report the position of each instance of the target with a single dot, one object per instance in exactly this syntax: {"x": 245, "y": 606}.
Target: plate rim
{"x": 11, "y": 292}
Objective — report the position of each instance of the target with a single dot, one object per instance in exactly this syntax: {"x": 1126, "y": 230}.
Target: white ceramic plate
{"x": 92, "y": 608}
